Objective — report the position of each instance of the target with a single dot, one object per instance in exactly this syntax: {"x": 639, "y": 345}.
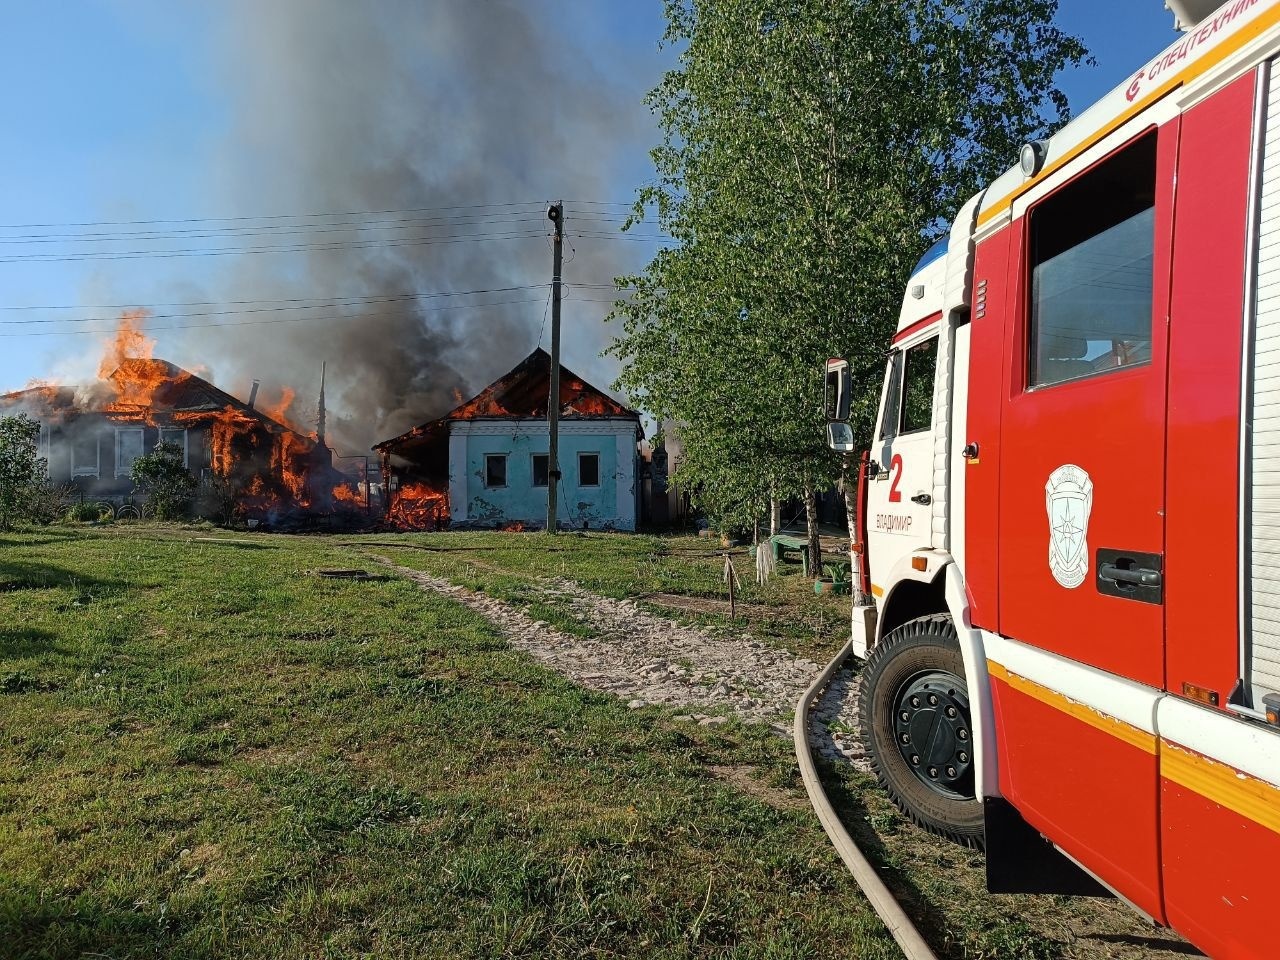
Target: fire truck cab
{"x": 1070, "y": 513}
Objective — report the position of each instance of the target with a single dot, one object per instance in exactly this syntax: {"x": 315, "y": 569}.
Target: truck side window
{"x": 889, "y": 415}
{"x": 917, "y": 402}
{"x": 1092, "y": 252}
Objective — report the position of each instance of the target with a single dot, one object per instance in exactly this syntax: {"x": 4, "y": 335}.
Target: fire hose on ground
{"x": 882, "y": 901}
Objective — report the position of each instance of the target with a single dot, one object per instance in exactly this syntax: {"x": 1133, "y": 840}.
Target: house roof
{"x": 522, "y": 394}
{"x": 140, "y": 384}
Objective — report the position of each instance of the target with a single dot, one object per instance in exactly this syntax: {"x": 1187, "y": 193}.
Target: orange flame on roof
{"x": 45, "y": 391}
{"x": 128, "y": 343}
{"x": 128, "y": 366}
{"x": 263, "y": 465}
{"x": 279, "y": 411}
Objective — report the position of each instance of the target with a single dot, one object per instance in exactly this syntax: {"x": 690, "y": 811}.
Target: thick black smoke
{"x": 402, "y": 105}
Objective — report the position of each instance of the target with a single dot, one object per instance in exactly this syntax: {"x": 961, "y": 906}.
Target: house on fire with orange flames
{"x": 484, "y": 463}
{"x": 252, "y": 465}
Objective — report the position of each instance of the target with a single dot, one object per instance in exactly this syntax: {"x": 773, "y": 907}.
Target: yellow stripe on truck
{"x": 1252, "y": 799}
{"x": 1095, "y": 718}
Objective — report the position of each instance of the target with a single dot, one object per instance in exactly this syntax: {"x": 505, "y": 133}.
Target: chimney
{"x": 253, "y": 393}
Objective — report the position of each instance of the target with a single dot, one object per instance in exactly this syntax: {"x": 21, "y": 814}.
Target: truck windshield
{"x": 892, "y": 393}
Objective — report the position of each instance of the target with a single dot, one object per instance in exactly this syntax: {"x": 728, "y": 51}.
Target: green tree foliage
{"x": 168, "y": 484}
{"x": 812, "y": 149}
{"x": 24, "y": 474}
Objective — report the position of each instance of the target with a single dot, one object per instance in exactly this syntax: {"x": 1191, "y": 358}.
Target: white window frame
{"x": 142, "y": 446}
{"x": 84, "y": 471}
{"x": 599, "y": 479}
{"x": 173, "y": 430}
{"x": 506, "y": 475}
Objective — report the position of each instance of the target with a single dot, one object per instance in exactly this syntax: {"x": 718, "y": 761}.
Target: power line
{"x": 252, "y": 323}
{"x": 225, "y": 251}
{"x": 543, "y": 329}
{"x": 303, "y": 248}
{"x": 652, "y": 238}
{"x": 537, "y": 205}
{"x": 300, "y": 300}
{"x": 322, "y": 303}
{"x": 291, "y": 229}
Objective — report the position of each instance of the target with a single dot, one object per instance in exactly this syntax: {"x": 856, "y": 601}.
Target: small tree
{"x": 168, "y": 484}
{"x": 23, "y": 472}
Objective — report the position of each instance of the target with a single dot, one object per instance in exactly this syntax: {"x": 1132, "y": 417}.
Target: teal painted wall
{"x": 519, "y": 500}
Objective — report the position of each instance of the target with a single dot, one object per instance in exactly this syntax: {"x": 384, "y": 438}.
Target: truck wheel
{"x": 916, "y": 727}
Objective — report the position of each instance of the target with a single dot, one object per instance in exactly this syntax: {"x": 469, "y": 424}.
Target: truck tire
{"x": 916, "y": 727}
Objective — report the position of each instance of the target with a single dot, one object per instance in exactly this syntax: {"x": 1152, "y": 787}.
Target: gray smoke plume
{"x": 401, "y": 105}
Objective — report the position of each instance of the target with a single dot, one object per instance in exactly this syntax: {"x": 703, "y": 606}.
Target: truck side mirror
{"x": 840, "y": 437}
{"x": 838, "y": 394}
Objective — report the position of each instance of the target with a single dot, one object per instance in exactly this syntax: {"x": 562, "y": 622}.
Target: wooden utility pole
{"x": 556, "y": 215}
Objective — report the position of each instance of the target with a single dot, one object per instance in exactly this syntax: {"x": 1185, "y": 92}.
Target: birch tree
{"x": 811, "y": 150}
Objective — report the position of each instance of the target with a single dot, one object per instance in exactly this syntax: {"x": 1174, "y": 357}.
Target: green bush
{"x": 84, "y": 513}
{"x": 24, "y": 474}
{"x": 168, "y": 484}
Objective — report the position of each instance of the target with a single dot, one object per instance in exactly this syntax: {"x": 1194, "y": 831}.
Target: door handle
{"x": 1129, "y": 575}
{"x": 923, "y": 499}
{"x": 1139, "y": 576}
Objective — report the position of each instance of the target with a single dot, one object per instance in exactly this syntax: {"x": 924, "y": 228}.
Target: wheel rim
{"x": 932, "y": 731}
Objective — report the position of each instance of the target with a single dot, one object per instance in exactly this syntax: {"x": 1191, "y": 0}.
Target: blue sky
{"x": 141, "y": 110}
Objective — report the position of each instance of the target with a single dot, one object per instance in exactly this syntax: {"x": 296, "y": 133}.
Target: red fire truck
{"x": 1070, "y": 521}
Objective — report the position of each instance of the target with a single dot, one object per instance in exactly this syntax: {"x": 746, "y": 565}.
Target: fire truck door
{"x": 1081, "y": 511}
{"x": 899, "y": 497}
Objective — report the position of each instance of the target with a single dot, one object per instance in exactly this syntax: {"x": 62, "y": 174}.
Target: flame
{"x": 127, "y": 365}
{"x": 128, "y": 343}
{"x": 418, "y": 506}
{"x": 576, "y": 399}
{"x": 227, "y": 425}
{"x": 263, "y": 465}
{"x": 288, "y": 460}
{"x": 457, "y": 396}
{"x": 43, "y": 391}
{"x": 484, "y": 405}
{"x": 348, "y": 495}
{"x": 279, "y": 411}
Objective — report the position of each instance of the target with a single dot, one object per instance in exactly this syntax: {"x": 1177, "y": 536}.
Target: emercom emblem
{"x": 1069, "y": 501}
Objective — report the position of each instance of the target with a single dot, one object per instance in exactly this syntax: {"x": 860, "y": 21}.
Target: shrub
{"x": 168, "y": 484}
{"x": 24, "y": 474}
{"x": 84, "y": 513}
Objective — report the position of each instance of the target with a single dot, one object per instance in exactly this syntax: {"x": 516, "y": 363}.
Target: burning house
{"x": 484, "y": 463}
{"x": 251, "y": 464}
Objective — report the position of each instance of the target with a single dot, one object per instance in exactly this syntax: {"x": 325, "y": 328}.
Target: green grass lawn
{"x": 207, "y": 752}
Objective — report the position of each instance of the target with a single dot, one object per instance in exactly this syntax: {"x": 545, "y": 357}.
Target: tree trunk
{"x": 849, "y": 487}
{"x": 775, "y": 516}
{"x": 815, "y": 545}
